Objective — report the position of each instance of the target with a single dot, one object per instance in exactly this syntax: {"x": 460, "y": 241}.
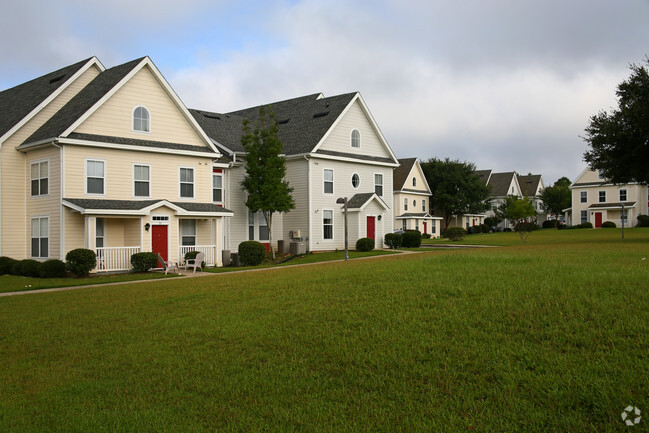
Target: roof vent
{"x": 283, "y": 121}
{"x": 55, "y": 79}
{"x": 211, "y": 116}
{"x": 321, "y": 114}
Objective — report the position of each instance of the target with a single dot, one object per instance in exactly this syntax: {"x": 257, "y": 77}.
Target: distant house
{"x": 596, "y": 200}
{"x": 531, "y": 187}
{"x": 334, "y": 150}
{"x": 412, "y": 199}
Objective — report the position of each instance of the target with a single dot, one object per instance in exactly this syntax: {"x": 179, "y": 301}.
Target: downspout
{"x": 1, "y": 199}
{"x": 62, "y": 192}
{"x": 308, "y": 198}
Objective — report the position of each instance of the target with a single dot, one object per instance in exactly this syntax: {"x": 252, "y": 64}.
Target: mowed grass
{"x": 538, "y": 338}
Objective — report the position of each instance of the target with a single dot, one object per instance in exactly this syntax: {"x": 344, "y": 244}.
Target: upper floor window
{"x": 356, "y": 138}
{"x": 217, "y": 186}
{"x": 141, "y": 119}
{"x": 623, "y": 195}
{"x": 40, "y": 174}
{"x": 583, "y": 196}
{"x": 141, "y": 180}
{"x": 40, "y": 237}
{"x": 414, "y": 181}
{"x": 95, "y": 176}
{"x": 414, "y": 204}
{"x": 378, "y": 184}
{"x": 328, "y": 181}
{"x": 405, "y": 204}
{"x": 600, "y": 174}
{"x": 186, "y": 182}
{"x": 356, "y": 180}
{"x": 423, "y": 205}
{"x": 602, "y": 196}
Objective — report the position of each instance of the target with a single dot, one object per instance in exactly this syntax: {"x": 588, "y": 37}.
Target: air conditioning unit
{"x": 296, "y": 234}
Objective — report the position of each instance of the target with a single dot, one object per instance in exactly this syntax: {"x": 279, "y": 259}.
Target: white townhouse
{"x": 412, "y": 199}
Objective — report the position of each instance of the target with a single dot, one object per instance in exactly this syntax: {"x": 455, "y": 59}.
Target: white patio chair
{"x": 195, "y": 263}
{"x": 168, "y": 265}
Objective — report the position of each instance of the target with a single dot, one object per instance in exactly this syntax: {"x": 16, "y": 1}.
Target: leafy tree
{"x": 519, "y": 211}
{"x": 264, "y": 182}
{"x": 619, "y": 141}
{"x": 556, "y": 198}
{"x": 456, "y": 189}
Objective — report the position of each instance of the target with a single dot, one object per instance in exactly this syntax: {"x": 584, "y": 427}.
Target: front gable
{"x": 356, "y": 117}
{"x": 588, "y": 176}
{"x": 169, "y": 120}
{"x": 415, "y": 181}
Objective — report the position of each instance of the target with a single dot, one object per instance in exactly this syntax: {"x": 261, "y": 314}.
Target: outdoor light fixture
{"x": 380, "y": 216}
{"x": 343, "y": 201}
{"x": 147, "y": 226}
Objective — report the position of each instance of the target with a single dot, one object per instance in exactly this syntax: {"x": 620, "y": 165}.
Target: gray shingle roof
{"x": 400, "y": 173}
{"x": 358, "y": 200}
{"x": 143, "y": 143}
{"x": 82, "y": 102}
{"x": 499, "y": 183}
{"x": 529, "y": 184}
{"x": 19, "y": 101}
{"x": 135, "y": 205}
{"x": 483, "y": 175}
{"x": 302, "y": 121}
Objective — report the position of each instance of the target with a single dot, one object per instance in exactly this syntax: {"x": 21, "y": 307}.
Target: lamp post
{"x": 622, "y": 218}
{"x": 343, "y": 201}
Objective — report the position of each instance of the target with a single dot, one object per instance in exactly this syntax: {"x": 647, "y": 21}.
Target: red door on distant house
{"x": 371, "y": 223}
{"x": 159, "y": 240}
{"x": 425, "y": 227}
{"x": 598, "y": 219}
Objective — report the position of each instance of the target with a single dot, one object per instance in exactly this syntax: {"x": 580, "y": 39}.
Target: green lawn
{"x": 552, "y": 336}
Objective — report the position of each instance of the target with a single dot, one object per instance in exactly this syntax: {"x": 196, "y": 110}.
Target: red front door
{"x": 159, "y": 240}
{"x": 425, "y": 227}
{"x": 598, "y": 219}
{"x": 370, "y": 227}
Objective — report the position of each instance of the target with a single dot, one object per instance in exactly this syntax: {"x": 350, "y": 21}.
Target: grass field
{"x": 552, "y": 336}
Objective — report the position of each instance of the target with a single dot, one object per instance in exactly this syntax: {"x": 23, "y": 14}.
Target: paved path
{"x": 205, "y": 274}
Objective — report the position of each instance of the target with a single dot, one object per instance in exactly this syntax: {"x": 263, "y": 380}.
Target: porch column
{"x": 218, "y": 242}
{"x": 90, "y": 232}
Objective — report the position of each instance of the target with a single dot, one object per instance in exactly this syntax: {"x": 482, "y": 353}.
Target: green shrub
{"x": 562, "y": 226}
{"x": 52, "y": 268}
{"x": 608, "y": 225}
{"x": 455, "y": 233}
{"x": 365, "y": 244}
{"x": 426, "y": 236}
{"x": 411, "y": 239}
{"x": 586, "y": 225}
{"x": 80, "y": 261}
{"x": 5, "y": 265}
{"x": 550, "y": 224}
{"x": 484, "y": 228}
{"x": 393, "y": 240}
{"x": 251, "y": 253}
{"x": 643, "y": 220}
{"x": 491, "y": 221}
{"x": 29, "y": 268}
{"x": 526, "y": 227}
{"x": 142, "y": 262}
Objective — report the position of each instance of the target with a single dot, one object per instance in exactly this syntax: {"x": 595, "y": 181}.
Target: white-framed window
{"x": 141, "y": 119}
{"x": 160, "y": 219}
{"x": 623, "y": 195}
{"x": 40, "y": 177}
{"x": 583, "y": 196}
{"x": 405, "y": 204}
{"x": 600, "y": 174}
{"x": 99, "y": 232}
{"x": 414, "y": 204}
{"x": 95, "y": 176}
{"x": 356, "y": 180}
{"x": 378, "y": 184}
{"x": 186, "y": 182}
{"x": 188, "y": 232}
{"x": 40, "y": 236}
{"x": 602, "y": 196}
{"x": 257, "y": 220}
{"x": 141, "y": 180}
{"x": 217, "y": 186}
{"x": 328, "y": 176}
{"x": 356, "y": 139}
{"x": 414, "y": 181}
{"x": 327, "y": 224}
{"x": 423, "y": 205}
{"x": 584, "y": 216}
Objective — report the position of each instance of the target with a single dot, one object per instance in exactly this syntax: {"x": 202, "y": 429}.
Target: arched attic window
{"x": 141, "y": 119}
{"x": 414, "y": 181}
{"x": 356, "y": 139}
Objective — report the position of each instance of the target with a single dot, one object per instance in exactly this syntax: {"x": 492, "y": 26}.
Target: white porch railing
{"x": 115, "y": 258}
{"x": 208, "y": 250}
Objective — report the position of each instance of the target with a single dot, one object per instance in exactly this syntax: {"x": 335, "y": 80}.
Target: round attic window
{"x": 356, "y": 180}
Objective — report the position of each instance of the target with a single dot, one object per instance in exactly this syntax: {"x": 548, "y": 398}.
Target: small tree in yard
{"x": 556, "y": 198}
{"x": 267, "y": 190}
{"x": 518, "y": 211}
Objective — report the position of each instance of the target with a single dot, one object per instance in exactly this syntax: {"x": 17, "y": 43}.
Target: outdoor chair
{"x": 195, "y": 263}
{"x": 168, "y": 265}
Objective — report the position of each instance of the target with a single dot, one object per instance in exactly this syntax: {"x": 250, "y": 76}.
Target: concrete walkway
{"x": 206, "y": 274}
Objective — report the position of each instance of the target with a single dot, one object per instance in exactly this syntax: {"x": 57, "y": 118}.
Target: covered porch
{"x": 422, "y": 222}
{"x": 117, "y": 229}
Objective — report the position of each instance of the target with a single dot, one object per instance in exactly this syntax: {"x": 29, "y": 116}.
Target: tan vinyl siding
{"x": 74, "y": 230}
{"x": 118, "y": 171}
{"x": 115, "y": 116}
{"x": 339, "y": 139}
{"x": 15, "y": 231}
{"x": 132, "y": 230}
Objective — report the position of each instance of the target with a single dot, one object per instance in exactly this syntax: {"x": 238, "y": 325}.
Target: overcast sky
{"x": 505, "y": 84}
